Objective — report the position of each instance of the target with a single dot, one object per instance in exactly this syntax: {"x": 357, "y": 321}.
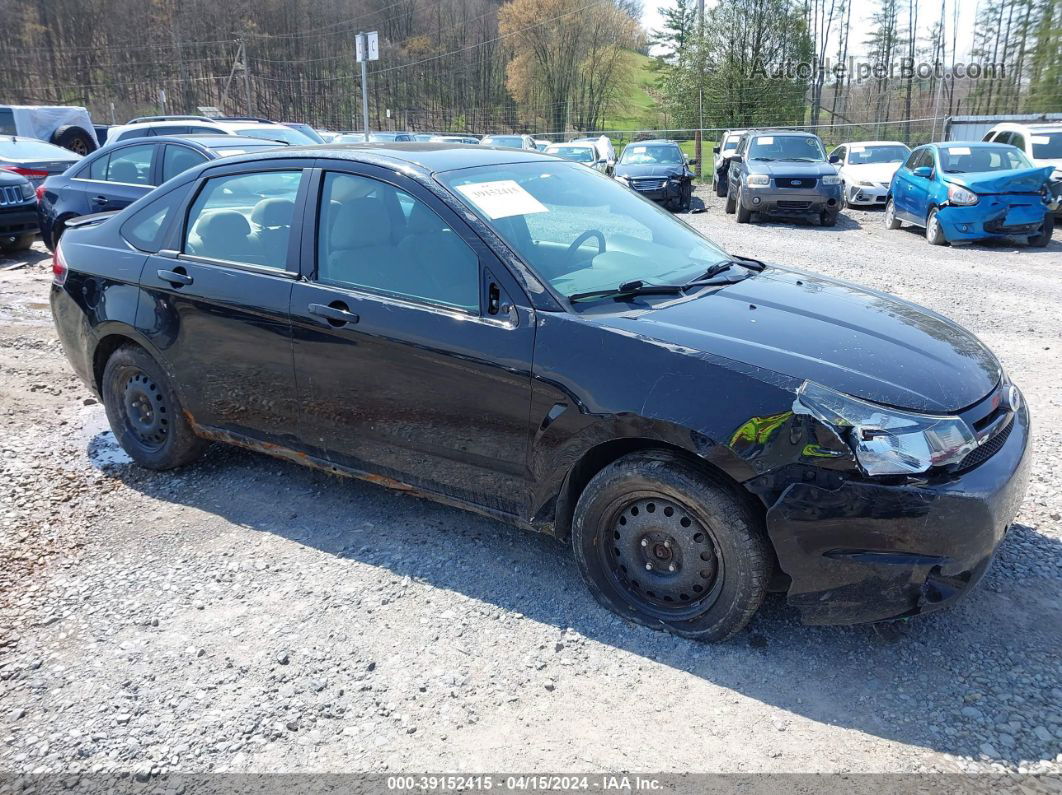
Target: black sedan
{"x": 523, "y": 337}
{"x": 18, "y": 212}
{"x": 659, "y": 171}
{"x": 115, "y": 176}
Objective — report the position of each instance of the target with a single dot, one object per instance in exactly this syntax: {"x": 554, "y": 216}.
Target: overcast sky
{"x": 928, "y": 12}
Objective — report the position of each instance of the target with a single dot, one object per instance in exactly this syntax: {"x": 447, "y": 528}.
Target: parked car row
{"x": 956, "y": 191}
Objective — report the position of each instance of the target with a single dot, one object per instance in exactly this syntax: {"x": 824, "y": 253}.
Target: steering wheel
{"x": 589, "y": 233}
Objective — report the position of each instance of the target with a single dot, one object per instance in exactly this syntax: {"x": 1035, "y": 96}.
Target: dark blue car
{"x": 972, "y": 191}
{"x": 116, "y": 176}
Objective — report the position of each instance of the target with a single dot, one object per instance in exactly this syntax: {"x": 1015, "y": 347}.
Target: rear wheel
{"x": 1042, "y": 239}
{"x": 730, "y": 203}
{"x": 144, "y": 412}
{"x": 720, "y": 187}
{"x": 934, "y": 230}
{"x": 662, "y": 545}
{"x": 891, "y": 221}
{"x": 19, "y": 243}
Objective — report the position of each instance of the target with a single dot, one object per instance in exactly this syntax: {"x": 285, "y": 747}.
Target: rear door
{"x": 413, "y": 344}
{"x": 116, "y": 179}
{"x": 219, "y": 296}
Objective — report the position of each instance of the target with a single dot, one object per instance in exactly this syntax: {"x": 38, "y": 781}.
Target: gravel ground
{"x": 246, "y": 614}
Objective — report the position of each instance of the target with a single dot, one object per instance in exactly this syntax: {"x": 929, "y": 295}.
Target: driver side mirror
{"x": 835, "y": 159}
{"x": 737, "y": 158}
{"x": 923, "y": 171}
{"x": 692, "y": 161}
{"x": 715, "y": 150}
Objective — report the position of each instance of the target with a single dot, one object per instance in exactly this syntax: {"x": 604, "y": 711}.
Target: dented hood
{"x": 1021, "y": 180}
{"x": 859, "y": 341}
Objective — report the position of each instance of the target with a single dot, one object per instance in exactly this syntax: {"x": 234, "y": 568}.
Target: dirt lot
{"x": 248, "y": 614}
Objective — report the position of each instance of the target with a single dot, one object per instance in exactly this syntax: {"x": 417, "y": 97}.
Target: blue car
{"x": 115, "y": 176}
{"x": 972, "y": 191}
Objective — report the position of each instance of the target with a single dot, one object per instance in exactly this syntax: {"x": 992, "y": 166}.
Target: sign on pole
{"x": 367, "y": 46}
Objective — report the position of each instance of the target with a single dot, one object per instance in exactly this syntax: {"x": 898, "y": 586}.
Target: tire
{"x": 720, "y": 187}
{"x": 730, "y": 203}
{"x": 20, "y": 243}
{"x": 826, "y": 218}
{"x": 75, "y": 139}
{"x": 891, "y": 221}
{"x": 687, "y": 197}
{"x": 667, "y": 515}
{"x": 934, "y": 231}
{"x": 743, "y": 215}
{"x": 1042, "y": 239}
{"x": 844, "y": 197}
{"x": 144, "y": 412}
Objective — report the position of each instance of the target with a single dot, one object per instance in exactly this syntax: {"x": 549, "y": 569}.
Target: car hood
{"x": 649, "y": 170}
{"x": 791, "y": 168}
{"x": 865, "y": 343}
{"x": 1019, "y": 180}
{"x": 871, "y": 172}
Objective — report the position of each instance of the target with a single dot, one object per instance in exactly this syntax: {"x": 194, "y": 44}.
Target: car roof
{"x": 425, "y": 156}
{"x": 655, "y": 141}
{"x": 1032, "y": 126}
{"x": 771, "y": 131}
{"x": 873, "y": 143}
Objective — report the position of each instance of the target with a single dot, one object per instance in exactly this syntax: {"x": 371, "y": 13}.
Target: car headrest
{"x": 361, "y": 222}
{"x": 124, "y": 171}
{"x": 221, "y": 228}
{"x": 273, "y": 212}
{"x": 423, "y": 221}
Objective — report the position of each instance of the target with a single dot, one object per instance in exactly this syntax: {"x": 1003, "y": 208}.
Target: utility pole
{"x": 366, "y": 48}
{"x": 246, "y": 76}
{"x": 700, "y": 87}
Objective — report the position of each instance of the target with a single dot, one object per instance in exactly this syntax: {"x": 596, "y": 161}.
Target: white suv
{"x": 204, "y": 125}
{"x": 1042, "y": 144}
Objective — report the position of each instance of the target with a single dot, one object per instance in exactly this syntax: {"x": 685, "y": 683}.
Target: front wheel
{"x": 826, "y": 218}
{"x": 891, "y": 221}
{"x": 144, "y": 412}
{"x": 743, "y": 215}
{"x": 720, "y": 187}
{"x": 662, "y": 545}
{"x": 934, "y": 230}
{"x": 1042, "y": 239}
{"x": 730, "y": 203}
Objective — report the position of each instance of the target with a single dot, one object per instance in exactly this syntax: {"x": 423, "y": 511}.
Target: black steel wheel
{"x": 662, "y": 544}
{"x": 144, "y": 412}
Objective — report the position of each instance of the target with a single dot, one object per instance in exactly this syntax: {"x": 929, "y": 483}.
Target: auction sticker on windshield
{"x": 766, "y": 140}
{"x": 958, "y": 150}
{"x": 502, "y": 198}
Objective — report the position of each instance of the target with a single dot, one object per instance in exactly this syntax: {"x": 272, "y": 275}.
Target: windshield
{"x": 647, "y": 154}
{"x": 785, "y": 147}
{"x": 284, "y": 134}
{"x": 32, "y": 149}
{"x": 580, "y": 154}
{"x": 543, "y": 209}
{"x": 512, "y": 141}
{"x": 977, "y": 159}
{"x": 1046, "y": 146}
{"x": 308, "y": 131}
{"x": 861, "y": 155}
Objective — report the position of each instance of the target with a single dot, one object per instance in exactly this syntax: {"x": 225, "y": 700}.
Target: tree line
{"x": 479, "y": 65}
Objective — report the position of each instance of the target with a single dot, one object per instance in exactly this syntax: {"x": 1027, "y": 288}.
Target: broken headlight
{"x": 887, "y": 441}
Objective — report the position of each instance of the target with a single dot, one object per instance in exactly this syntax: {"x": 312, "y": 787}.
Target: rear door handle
{"x": 176, "y": 278}
{"x": 335, "y": 314}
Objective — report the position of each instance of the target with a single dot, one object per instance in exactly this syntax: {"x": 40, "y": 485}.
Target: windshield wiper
{"x": 766, "y": 159}
{"x": 636, "y": 287}
{"x": 725, "y": 265}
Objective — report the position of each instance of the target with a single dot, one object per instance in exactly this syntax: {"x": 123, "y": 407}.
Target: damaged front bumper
{"x": 859, "y": 551}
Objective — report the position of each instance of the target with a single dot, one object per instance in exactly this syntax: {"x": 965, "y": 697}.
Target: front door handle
{"x": 176, "y": 278}
{"x": 335, "y": 314}
{"x": 99, "y": 199}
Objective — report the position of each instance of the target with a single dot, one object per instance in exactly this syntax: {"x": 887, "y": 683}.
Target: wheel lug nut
{"x": 671, "y": 567}
{"x": 649, "y": 566}
{"x": 667, "y": 544}
{"x": 645, "y": 543}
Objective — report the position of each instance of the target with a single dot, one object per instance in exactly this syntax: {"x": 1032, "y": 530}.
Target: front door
{"x": 412, "y": 343}
{"x": 219, "y": 309}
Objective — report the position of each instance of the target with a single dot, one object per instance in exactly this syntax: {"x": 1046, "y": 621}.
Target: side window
{"x": 375, "y": 236}
{"x": 97, "y": 168}
{"x": 131, "y": 165}
{"x": 7, "y": 122}
{"x": 178, "y": 159}
{"x": 989, "y": 134}
{"x": 145, "y": 228}
{"x": 204, "y": 131}
{"x": 1003, "y": 137}
{"x": 912, "y": 159}
{"x": 1018, "y": 140}
{"x": 244, "y": 218}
